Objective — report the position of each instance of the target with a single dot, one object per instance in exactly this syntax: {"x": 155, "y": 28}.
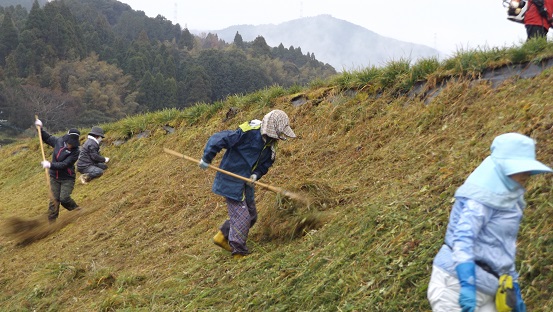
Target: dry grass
{"x": 379, "y": 172}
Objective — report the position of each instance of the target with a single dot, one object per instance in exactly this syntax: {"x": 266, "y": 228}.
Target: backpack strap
{"x": 540, "y": 5}
{"x": 250, "y": 125}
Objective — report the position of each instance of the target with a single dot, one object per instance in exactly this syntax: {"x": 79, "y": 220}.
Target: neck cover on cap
{"x": 490, "y": 183}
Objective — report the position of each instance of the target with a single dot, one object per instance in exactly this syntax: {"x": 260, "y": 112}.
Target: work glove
{"x": 467, "y": 279}
{"x": 107, "y": 159}
{"x": 45, "y": 164}
{"x": 253, "y": 178}
{"x": 203, "y": 164}
{"x": 520, "y": 305}
{"x": 38, "y": 123}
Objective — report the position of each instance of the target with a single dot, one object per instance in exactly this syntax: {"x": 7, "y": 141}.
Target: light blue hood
{"x": 490, "y": 183}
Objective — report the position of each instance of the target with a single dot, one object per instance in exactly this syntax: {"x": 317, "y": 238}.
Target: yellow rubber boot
{"x": 220, "y": 240}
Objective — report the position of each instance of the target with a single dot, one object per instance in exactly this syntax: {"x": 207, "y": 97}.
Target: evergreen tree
{"x": 36, "y": 19}
{"x": 280, "y": 51}
{"x": 100, "y": 38}
{"x": 8, "y": 38}
{"x": 211, "y": 41}
{"x": 186, "y": 40}
{"x": 160, "y": 95}
{"x": 32, "y": 46}
{"x": 238, "y": 41}
{"x": 170, "y": 67}
{"x": 260, "y": 47}
{"x": 136, "y": 67}
{"x": 197, "y": 86}
{"x": 169, "y": 93}
{"x": 29, "y": 53}
{"x": 146, "y": 95}
{"x": 158, "y": 65}
{"x": 11, "y": 67}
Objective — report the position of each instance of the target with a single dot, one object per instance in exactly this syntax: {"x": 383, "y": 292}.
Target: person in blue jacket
{"x": 250, "y": 152}
{"x": 480, "y": 240}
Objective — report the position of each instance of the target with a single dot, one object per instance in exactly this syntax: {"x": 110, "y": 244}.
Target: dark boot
{"x": 53, "y": 211}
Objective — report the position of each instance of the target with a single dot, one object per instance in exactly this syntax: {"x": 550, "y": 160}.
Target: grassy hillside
{"x": 380, "y": 170}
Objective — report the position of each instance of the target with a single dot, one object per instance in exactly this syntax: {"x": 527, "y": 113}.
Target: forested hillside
{"x": 84, "y": 62}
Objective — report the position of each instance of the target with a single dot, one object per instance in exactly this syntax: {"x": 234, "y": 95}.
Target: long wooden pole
{"x": 267, "y": 186}
{"x": 44, "y": 159}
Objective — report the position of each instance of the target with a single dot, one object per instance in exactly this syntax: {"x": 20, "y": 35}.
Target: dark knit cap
{"x": 72, "y": 137}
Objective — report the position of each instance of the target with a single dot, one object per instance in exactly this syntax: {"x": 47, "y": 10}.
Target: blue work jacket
{"x": 246, "y": 153}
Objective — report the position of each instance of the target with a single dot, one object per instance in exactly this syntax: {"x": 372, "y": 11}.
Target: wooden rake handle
{"x": 267, "y": 186}
{"x": 44, "y": 159}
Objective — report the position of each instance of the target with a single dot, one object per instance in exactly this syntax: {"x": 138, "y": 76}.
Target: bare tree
{"x": 56, "y": 109}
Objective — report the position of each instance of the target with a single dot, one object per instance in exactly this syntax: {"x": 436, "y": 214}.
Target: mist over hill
{"x": 337, "y": 42}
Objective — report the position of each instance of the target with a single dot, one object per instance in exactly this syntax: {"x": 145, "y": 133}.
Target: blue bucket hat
{"x": 516, "y": 153}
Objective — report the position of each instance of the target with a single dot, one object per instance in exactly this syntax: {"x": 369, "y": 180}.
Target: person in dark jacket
{"x": 538, "y": 18}
{"x": 91, "y": 164}
{"x": 250, "y": 152}
{"x": 61, "y": 169}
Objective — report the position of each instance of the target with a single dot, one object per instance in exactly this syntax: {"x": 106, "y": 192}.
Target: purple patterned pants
{"x": 242, "y": 215}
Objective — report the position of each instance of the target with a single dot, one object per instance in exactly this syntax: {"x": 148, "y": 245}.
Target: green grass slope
{"x": 381, "y": 171}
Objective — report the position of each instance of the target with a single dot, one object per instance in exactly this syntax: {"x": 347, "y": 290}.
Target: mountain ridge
{"x": 341, "y": 44}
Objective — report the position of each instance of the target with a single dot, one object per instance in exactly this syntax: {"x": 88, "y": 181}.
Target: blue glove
{"x": 520, "y": 305}
{"x": 203, "y": 164}
{"x": 467, "y": 279}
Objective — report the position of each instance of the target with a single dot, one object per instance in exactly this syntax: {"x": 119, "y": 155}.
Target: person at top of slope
{"x": 538, "y": 18}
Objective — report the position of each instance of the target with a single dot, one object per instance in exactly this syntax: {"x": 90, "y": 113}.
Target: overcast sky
{"x": 447, "y": 25}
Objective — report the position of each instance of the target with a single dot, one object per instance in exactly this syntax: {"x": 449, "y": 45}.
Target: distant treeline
{"x": 84, "y": 62}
